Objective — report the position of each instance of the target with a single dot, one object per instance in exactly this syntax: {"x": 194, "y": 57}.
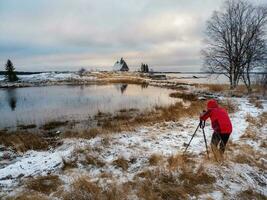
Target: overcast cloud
{"x": 67, "y": 34}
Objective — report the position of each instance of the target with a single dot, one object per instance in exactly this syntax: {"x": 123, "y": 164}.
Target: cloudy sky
{"x": 67, "y": 34}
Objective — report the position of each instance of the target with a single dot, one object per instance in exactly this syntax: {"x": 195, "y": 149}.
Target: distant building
{"x": 121, "y": 66}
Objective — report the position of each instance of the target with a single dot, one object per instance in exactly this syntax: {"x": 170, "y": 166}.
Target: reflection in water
{"x": 12, "y": 98}
{"x": 144, "y": 85}
{"x": 121, "y": 87}
{"x": 39, "y": 105}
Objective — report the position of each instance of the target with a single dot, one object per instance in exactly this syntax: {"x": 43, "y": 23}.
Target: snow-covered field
{"x": 48, "y": 77}
{"x": 164, "y": 139}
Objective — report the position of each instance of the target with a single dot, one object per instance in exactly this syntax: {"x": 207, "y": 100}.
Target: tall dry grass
{"x": 256, "y": 102}
{"x": 250, "y": 194}
{"x": 122, "y": 163}
{"x": 27, "y": 196}
{"x": 163, "y": 185}
{"x": 44, "y": 184}
{"x": 23, "y": 141}
{"x": 83, "y": 189}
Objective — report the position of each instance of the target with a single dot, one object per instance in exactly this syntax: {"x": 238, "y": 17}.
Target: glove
{"x": 202, "y": 124}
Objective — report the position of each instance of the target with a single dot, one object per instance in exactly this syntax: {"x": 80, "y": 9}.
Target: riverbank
{"x": 123, "y": 165}
{"x": 132, "y": 154}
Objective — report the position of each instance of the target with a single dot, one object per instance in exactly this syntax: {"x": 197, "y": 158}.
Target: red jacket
{"x": 220, "y": 120}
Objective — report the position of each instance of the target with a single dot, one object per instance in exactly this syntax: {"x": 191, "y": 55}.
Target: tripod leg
{"x": 191, "y": 139}
{"x": 205, "y": 142}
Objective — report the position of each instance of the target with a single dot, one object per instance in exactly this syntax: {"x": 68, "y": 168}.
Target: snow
{"x": 52, "y": 77}
{"x": 2, "y": 77}
{"x": 166, "y": 139}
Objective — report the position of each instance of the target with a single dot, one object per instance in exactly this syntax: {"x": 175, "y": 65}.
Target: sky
{"x": 44, "y": 35}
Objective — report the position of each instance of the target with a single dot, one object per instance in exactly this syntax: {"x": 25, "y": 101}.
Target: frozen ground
{"x": 165, "y": 139}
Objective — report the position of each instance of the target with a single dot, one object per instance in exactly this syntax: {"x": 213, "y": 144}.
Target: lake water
{"x": 202, "y": 78}
{"x": 37, "y": 105}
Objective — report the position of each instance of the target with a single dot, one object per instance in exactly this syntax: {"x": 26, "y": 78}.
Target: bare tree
{"x": 235, "y": 39}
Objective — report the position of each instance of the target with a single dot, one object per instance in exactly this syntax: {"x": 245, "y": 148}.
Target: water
{"x": 202, "y": 78}
{"x": 37, "y": 105}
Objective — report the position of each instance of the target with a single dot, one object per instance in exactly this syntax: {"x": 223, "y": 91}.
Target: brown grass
{"x": 121, "y": 162}
{"x": 86, "y": 134}
{"x": 128, "y": 80}
{"x": 54, "y": 124}
{"x": 83, "y": 189}
{"x": 244, "y": 159}
{"x": 179, "y": 161}
{"x": 248, "y": 155}
{"x": 44, "y": 184}
{"x": 92, "y": 160}
{"x": 250, "y": 134}
{"x": 214, "y": 87}
{"x": 28, "y": 196}
{"x": 23, "y": 141}
{"x": 70, "y": 163}
{"x": 239, "y": 91}
{"x": 256, "y": 102}
{"x": 155, "y": 159}
{"x": 217, "y": 87}
{"x": 166, "y": 185}
{"x": 249, "y": 194}
{"x": 184, "y": 96}
{"x": 196, "y": 178}
{"x": 229, "y": 105}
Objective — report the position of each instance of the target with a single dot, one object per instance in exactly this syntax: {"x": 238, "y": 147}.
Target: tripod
{"x": 202, "y": 126}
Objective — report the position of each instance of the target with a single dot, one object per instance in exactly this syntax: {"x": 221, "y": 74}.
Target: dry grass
{"x": 92, "y": 160}
{"x": 239, "y": 91}
{"x": 28, "y": 196}
{"x": 217, "y": 87}
{"x": 128, "y": 80}
{"x": 256, "y": 102}
{"x": 250, "y": 119}
{"x": 248, "y": 155}
{"x": 70, "y": 163}
{"x": 229, "y": 105}
{"x": 122, "y": 163}
{"x": 44, "y": 184}
{"x": 249, "y": 134}
{"x": 86, "y": 134}
{"x": 184, "y": 96}
{"x": 243, "y": 159}
{"x": 179, "y": 161}
{"x": 214, "y": 87}
{"x": 155, "y": 159}
{"x": 163, "y": 185}
{"x": 83, "y": 189}
{"x": 196, "y": 178}
{"x": 54, "y": 124}
{"x": 249, "y": 194}
{"x": 23, "y": 141}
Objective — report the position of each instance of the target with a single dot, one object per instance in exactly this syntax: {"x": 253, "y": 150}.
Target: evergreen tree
{"x": 10, "y": 72}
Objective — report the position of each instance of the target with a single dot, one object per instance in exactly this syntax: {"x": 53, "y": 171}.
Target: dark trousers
{"x": 219, "y": 141}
